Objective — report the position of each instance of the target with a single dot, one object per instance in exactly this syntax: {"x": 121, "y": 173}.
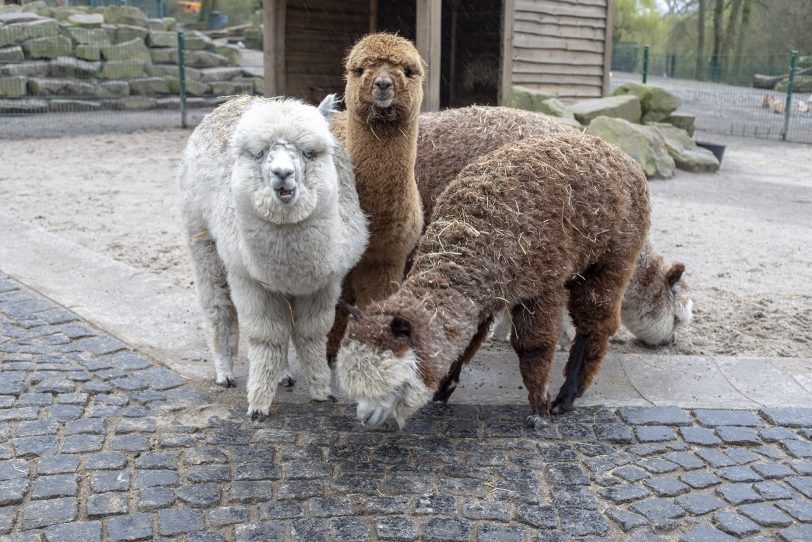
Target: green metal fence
{"x": 766, "y": 95}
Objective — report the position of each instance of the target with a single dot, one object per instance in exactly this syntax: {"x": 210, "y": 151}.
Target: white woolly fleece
{"x": 383, "y": 384}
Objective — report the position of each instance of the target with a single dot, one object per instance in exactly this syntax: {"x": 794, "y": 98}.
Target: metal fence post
{"x": 788, "y": 107}
{"x": 182, "y": 79}
{"x": 645, "y": 63}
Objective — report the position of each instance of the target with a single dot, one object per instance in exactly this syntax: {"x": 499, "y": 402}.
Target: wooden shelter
{"x": 476, "y": 49}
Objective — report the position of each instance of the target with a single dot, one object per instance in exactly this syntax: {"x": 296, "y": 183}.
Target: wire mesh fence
{"x": 81, "y": 74}
{"x": 746, "y": 95}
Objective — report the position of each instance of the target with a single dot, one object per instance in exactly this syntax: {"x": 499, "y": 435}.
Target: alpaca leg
{"x": 340, "y": 322}
{"x": 450, "y": 381}
{"x": 266, "y": 321}
{"x": 313, "y": 317}
{"x": 535, "y": 333}
{"x": 215, "y": 298}
{"x": 594, "y": 305}
{"x": 374, "y": 281}
{"x": 502, "y": 326}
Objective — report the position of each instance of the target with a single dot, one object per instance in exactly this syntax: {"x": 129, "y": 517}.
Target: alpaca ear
{"x": 349, "y": 309}
{"x": 401, "y": 327}
{"x": 674, "y": 274}
{"x": 328, "y": 105}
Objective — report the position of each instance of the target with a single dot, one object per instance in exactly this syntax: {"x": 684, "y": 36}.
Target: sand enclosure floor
{"x": 743, "y": 233}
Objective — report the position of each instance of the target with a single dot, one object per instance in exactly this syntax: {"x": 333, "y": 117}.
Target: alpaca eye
{"x": 258, "y": 156}
{"x": 309, "y": 154}
{"x": 408, "y": 72}
{"x": 359, "y": 72}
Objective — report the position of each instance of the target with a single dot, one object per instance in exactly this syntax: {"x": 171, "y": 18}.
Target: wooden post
{"x": 373, "y": 16}
{"x": 273, "y": 45}
{"x": 429, "y": 43}
{"x": 506, "y": 82}
{"x": 452, "y": 55}
{"x": 607, "y": 47}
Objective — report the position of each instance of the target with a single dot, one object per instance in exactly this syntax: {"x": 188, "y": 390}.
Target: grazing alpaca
{"x": 273, "y": 224}
{"x": 383, "y": 94}
{"x": 535, "y": 225}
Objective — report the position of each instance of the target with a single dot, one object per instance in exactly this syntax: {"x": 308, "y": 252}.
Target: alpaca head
{"x": 384, "y": 74}
{"x": 283, "y": 164}
{"x": 379, "y": 365}
{"x": 660, "y": 307}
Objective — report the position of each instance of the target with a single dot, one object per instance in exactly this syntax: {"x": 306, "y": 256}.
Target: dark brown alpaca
{"x": 534, "y": 226}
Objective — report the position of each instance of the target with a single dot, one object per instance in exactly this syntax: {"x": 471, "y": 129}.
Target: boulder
{"x": 73, "y": 67}
{"x": 123, "y": 33}
{"x": 622, "y": 107}
{"x": 656, "y": 103}
{"x": 168, "y": 71}
{"x": 13, "y": 53}
{"x": 12, "y": 87}
{"x": 111, "y": 89}
{"x": 148, "y": 86}
{"x": 204, "y": 59}
{"x": 801, "y": 83}
{"x": 39, "y": 7}
{"x": 195, "y": 41}
{"x": 12, "y": 34}
{"x": 805, "y": 62}
{"x": 766, "y": 82}
{"x": 122, "y": 69}
{"x": 193, "y": 88}
{"x": 50, "y": 47}
{"x": 684, "y": 151}
{"x": 35, "y": 68}
{"x": 61, "y": 87}
{"x": 220, "y": 74}
{"x": 170, "y": 23}
{"x": 124, "y": 15}
{"x": 527, "y": 98}
{"x": 15, "y": 17}
{"x": 89, "y": 36}
{"x": 87, "y": 52}
{"x": 643, "y": 143}
{"x": 683, "y": 121}
{"x": 61, "y": 105}
{"x": 166, "y": 55}
{"x": 231, "y": 52}
{"x": 87, "y": 20}
{"x": 131, "y": 51}
{"x": 131, "y": 103}
{"x": 162, "y": 38}
{"x": 229, "y": 88}
{"x": 556, "y": 108}
{"x": 27, "y": 105}
{"x": 158, "y": 25}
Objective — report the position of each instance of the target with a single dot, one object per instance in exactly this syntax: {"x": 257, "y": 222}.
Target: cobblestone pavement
{"x": 96, "y": 443}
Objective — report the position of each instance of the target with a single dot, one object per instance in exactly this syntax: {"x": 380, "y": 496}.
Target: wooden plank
{"x": 373, "y": 16}
{"x": 563, "y": 69}
{"x": 553, "y": 56}
{"x": 601, "y": 3}
{"x": 430, "y": 44}
{"x": 562, "y": 31}
{"x": 560, "y": 20}
{"x": 562, "y": 79}
{"x": 559, "y": 8}
{"x": 527, "y": 41}
{"x": 506, "y": 56}
{"x": 273, "y": 37}
{"x": 567, "y": 91}
{"x": 607, "y": 47}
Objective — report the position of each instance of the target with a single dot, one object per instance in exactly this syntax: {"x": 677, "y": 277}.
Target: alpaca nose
{"x": 282, "y": 172}
{"x": 383, "y": 82}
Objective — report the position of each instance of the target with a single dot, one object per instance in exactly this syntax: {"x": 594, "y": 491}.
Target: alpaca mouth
{"x": 384, "y": 103}
{"x": 285, "y": 195}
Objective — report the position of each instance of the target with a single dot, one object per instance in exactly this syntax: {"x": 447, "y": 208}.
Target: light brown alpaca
{"x": 383, "y": 94}
{"x": 535, "y": 225}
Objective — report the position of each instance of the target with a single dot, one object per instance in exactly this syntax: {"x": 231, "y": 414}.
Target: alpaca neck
{"x": 383, "y": 151}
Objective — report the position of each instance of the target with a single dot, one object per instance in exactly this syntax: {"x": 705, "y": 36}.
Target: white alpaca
{"x": 273, "y": 224}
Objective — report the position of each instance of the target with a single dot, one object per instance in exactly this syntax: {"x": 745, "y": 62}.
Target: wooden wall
{"x": 563, "y": 46}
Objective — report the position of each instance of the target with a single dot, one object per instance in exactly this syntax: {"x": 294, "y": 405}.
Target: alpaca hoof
{"x": 536, "y": 422}
{"x": 257, "y": 416}
{"x": 560, "y": 406}
{"x": 227, "y": 382}
{"x": 332, "y": 398}
{"x": 287, "y": 382}
{"x": 325, "y": 398}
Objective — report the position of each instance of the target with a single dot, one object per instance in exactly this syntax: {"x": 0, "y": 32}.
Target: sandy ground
{"x": 744, "y": 233}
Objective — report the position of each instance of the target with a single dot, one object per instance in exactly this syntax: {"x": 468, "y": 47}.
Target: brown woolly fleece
{"x": 383, "y": 94}
{"x": 534, "y": 226}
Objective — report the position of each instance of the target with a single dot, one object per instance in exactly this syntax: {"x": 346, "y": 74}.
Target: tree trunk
{"x": 718, "y": 13}
{"x": 745, "y": 22}
{"x": 730, "y": 33}
{"x": 699, "y": 71}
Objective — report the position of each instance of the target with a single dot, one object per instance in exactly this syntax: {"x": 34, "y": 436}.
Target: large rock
{"x": 131, "y": 51}
{"x": 89, "y": 20}
{"x": 147, "y": 86}
{"x": 17, "y": 33}
{"x": 13, "y": 53}
{"x": 193, "y": 88}
{"x": 527, "y": 98}
{"x": 87, "y": 52}
{"x": 73, "y": 67}
{"x": 124, "y": 15}
{"x": 123, "y": 33}
{"x": 164, "y": 55}
{"x": 131, "y": 103}
{"x": 60, "y": 87}
{"x": 195, "y": 41}
{"x": 683, "y": 121}
{"x": 50, "y": 47}
{"x": 157, "y": 25}
{"x": 89, "y": 36}
{"x": 220, "y": 74}
{"x": 16, "y": 17}
{"x": 112, "y": 89}
{"x": 157, "y": 38}
{"x": 33, "y": 68}
{"x": 39, "y": 7}
{"x": 203, "y": 59}
{"x": 621, "y": 107}
{"x": 231, "y": 52}
{"x": 556, "y": 108}
{"x": 169, "y": 71}
{"x": 27, "y": 105}
{"x": 656, "y": 103}
{"x": 684, "y": 151}
{"x": 801, "y": 83}
{"x": 122, "y": 69}
{"x": 12, "y": 87}
{"x": 61, "y": 105}
{"x": 643, "y": 143}
{"x": 805, "y": 62}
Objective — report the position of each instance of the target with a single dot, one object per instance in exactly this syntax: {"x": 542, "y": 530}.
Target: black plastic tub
{"x": 717, "y": 150}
